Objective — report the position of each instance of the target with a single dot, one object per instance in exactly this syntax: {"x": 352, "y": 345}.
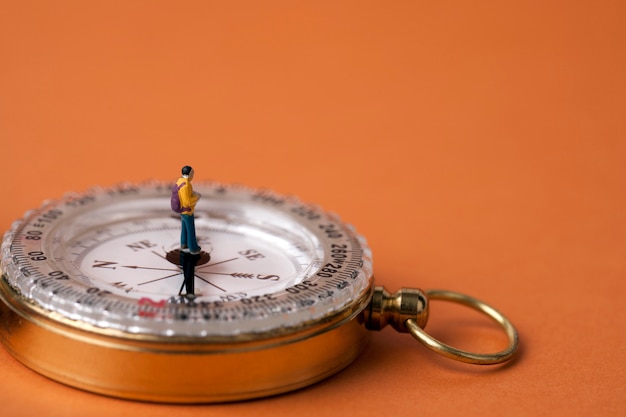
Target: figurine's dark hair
{"x": 186, "y": 170}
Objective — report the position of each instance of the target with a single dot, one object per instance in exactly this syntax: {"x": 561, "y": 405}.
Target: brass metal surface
{"x": 177, "y": 370}
{"x": 395, "y": 309}
{"x": 461, "y": 355}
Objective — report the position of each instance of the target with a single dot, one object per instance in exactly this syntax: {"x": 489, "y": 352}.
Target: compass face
{"x": 141, "y": 259}
{"x": 111, "y": 259}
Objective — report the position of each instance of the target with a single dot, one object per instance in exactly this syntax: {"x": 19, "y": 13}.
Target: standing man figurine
{"x": 188, "y": 199}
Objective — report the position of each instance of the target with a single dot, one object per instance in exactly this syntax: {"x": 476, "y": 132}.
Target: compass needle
{"x": 158, "y": 254}
{"x": 159, "y": 279}
{"x": 291, "y": 301}
{"x": 147, "y": 267}
{"x": 221, "y": 262}
{"x": 210, "y": 283}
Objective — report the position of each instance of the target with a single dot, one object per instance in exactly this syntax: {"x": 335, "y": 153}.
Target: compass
{"x": 283, "y": 295}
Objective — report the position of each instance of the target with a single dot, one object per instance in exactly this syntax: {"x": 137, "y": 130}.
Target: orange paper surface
{"x": 478, "y": 146}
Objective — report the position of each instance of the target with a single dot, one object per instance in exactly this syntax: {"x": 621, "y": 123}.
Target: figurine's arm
{"x": 188, "y": 198}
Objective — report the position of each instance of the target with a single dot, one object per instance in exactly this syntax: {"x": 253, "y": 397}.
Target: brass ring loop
{"x": 461, "y": 355}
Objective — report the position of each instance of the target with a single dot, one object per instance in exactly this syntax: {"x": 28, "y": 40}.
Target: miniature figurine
{"x": 184, "y": 201}
{"x": 187, "y": 199}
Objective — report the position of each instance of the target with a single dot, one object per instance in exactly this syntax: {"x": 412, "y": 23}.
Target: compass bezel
{"x": 35, "y": 265}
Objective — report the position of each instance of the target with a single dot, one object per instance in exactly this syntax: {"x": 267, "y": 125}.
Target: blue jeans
{"x": 188, "y": 233}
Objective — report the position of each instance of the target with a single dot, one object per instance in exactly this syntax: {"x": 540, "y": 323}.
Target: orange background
{"x": 479, "y": 146}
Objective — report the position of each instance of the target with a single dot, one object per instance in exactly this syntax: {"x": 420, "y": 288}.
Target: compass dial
{"x": 141, "y": 259}
{"x": 111, "y": 259}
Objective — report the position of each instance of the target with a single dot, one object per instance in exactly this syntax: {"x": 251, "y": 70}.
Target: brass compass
{"x": 284, "y": 295}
